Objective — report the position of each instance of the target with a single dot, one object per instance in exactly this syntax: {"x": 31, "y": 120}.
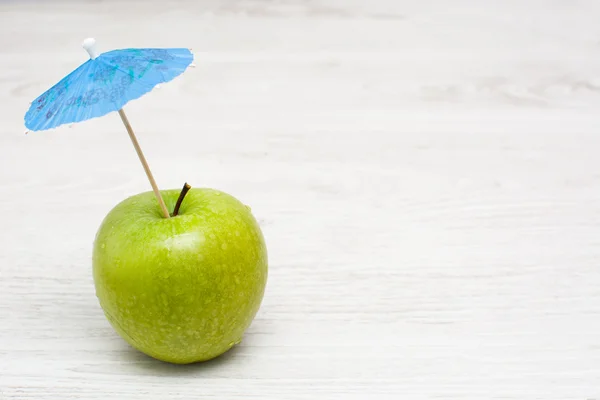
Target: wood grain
{"x": 426, "y": 175}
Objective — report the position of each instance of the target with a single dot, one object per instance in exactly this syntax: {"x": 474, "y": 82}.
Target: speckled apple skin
{"x": 182, "y": 289}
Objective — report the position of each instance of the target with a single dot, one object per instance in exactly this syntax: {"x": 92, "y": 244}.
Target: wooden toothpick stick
{"x": 138, "y": 149}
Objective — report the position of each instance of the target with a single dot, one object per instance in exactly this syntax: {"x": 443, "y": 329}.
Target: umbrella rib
{"x": 138, "y": 149}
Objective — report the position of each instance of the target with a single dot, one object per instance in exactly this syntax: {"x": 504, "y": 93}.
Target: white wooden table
{"x": 427, "y": 175}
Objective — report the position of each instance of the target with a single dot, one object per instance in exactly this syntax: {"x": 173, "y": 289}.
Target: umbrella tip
{"x": 26, "y": 132}
{"x": 89, "y": 45}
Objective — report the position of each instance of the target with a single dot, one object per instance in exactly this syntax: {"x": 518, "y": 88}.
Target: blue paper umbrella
{"x": 105, "y": 83}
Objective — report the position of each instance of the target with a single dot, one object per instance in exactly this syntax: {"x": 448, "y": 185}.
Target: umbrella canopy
{"x": 104, "y": 84}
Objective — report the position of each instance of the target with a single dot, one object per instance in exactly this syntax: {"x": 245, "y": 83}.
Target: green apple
{"x": 182, "y": 289}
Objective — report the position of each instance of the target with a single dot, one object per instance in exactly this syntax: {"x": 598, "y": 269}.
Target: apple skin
{"x": 182, "y": 289}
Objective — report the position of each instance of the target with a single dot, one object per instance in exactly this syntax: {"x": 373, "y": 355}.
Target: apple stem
{"x": 184, "y": 191}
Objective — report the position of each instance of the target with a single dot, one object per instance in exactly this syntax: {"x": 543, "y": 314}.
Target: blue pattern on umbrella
{"x": 105, "y": 84}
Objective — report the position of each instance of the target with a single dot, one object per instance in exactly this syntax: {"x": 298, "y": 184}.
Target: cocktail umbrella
{"x": 104, "y": 84}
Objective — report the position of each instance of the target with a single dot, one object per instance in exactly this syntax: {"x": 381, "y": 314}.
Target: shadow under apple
{"x": 147, "y": 365}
